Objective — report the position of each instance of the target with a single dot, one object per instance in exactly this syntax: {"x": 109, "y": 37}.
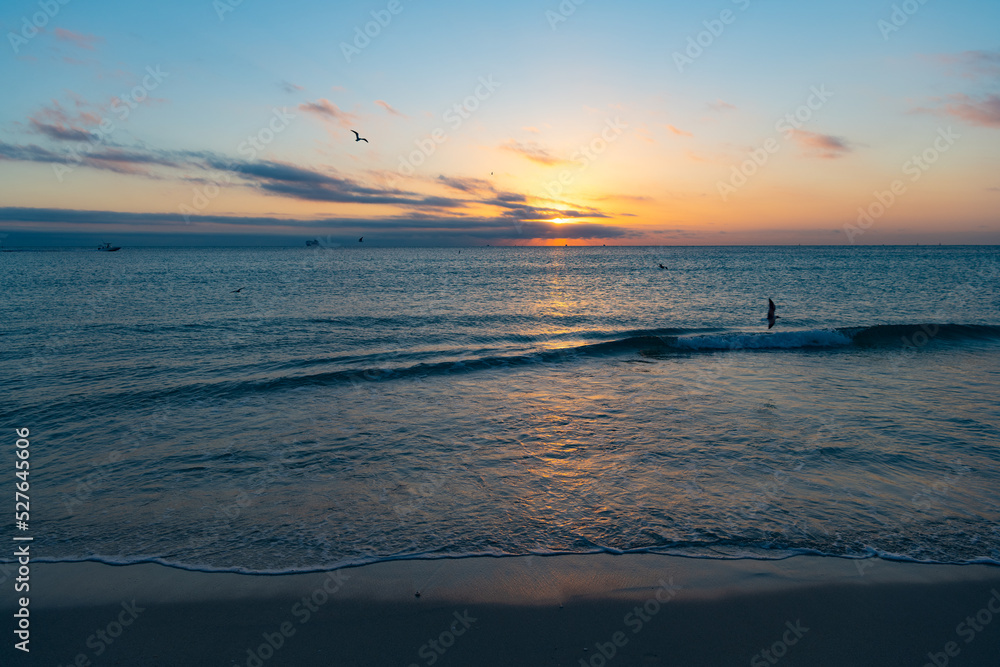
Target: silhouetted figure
{"x": 771, "y": 317}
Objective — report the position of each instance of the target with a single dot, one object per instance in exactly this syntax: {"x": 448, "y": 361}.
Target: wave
{"x": 416, "y": 365}
{"x": 704, "y": 552}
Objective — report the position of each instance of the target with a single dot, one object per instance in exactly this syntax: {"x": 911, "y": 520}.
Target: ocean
{"x": 359, "y": 404}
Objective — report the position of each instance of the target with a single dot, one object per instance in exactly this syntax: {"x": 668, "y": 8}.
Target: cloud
{"x": 532, "y": 129}
{"x": 970, "y": 64}
{"x": 307, "y": 184}
{"x": 60, "y": 131}
{"x": 327, "y": 110}
{"x": 78, "y": 39}
{"x": 388, "y": 107}
{"x": 55, "y": 122}
{"x": 981, "y": 109}
{"x": 679, "y": 133}
{"x": 533, "y": 151}
{"x": 721, "y": 106}
{"x": 30, "y": 153}
{"x": 400, "y": 230}
{"x": 289, "y": 87}
{"x": 470, "y": 185}
{"x": 298, "y": 182}
{"x": 984, "y": 112}
{"x": 104, "y": 157}
{"x": 821, "y": 145}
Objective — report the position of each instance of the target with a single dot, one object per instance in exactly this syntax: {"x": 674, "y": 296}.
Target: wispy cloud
{"x": 55, "y": 122}
{"x": 60, "y": 131}
{"x": 290, "y": 87}
{"x": 385, "y": 105}
{"x": 78, "y": 39}
{"x": 970, "y": 64}
{"x": 327, "y": 110}
{"x": 721, "y": 106}
{"x": 984, "y": 112}
{"x": 400, "y": 229}
{"x": 470, "y": 185}
{"x": 679, "y": 133}
{"x": 983, "y": 106}
{"x": 300, "y": 183}
{"x": 824, "y": 146}
{"x": 532, "y": 151}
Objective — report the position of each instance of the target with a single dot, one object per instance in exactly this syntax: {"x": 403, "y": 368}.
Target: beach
{"x": 558, "y": 610}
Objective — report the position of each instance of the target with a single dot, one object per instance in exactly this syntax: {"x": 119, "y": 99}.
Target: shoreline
{"x": 595, "y": 609}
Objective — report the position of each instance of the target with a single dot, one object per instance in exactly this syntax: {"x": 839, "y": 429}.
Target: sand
{"x": 559, "y": 610}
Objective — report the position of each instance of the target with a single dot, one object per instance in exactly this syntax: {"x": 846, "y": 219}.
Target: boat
{"x": 107, "y": 247}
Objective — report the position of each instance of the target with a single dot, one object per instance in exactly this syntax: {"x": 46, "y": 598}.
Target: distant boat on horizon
{"x": 107, "y": 247}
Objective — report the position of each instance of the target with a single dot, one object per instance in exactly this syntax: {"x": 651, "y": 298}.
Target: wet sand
{"x": 559, "y": 610}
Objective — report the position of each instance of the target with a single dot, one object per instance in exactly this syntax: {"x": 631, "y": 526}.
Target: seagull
{"x": 236, "y": 291}
{"x": 771, "y": 317}
{"x": 662, "y": 267}
{"x": 358, "y": 137}
{"x": 361, "y": 239}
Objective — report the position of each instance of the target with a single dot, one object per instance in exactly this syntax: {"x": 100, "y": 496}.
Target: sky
{"x": 580, "y": 122}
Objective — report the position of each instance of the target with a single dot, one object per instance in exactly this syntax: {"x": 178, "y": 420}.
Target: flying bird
{"x": 358, "y": 137}
{"x": 237, "y": 291}
{"x": 771, "y": 317}
{"x": 662, "y": 267}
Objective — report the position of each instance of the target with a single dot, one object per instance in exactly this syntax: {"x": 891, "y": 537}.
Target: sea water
{"x": 351, "y": 405}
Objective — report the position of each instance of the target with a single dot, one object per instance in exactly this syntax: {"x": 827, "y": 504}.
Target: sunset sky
{"x": 630, "y": 123}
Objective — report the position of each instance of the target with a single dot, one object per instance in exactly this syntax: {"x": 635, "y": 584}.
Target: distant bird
{"x": 237, "y": 291}
{"x": 358, "y": 137}
{"x": 771, "y": 317}
{"x": 361, "y": 239}
{"x": 662, "y": 267}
